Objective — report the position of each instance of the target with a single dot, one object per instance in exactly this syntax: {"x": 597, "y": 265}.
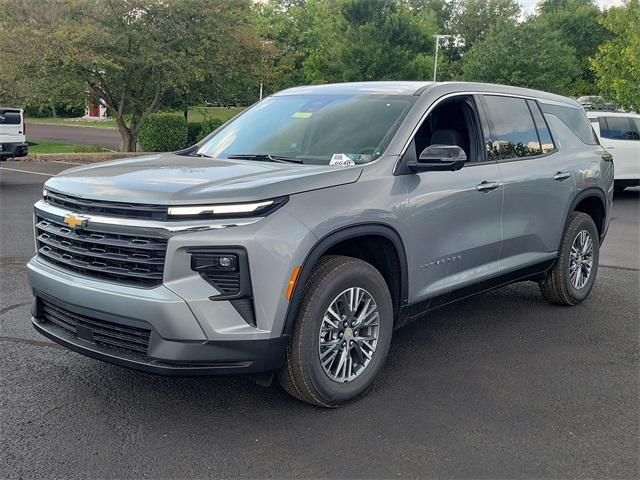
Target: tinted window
{"x": 513, "y": 134}
{"x": 617, "y": 128}
{"x": 9, "y": 118}
{"x": 575, "y": 119}
{"x": 543, "y": 129}
{"x": 636, "y": 122}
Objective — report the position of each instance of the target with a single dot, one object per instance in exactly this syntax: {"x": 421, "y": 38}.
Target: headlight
{"x": 229, "y": 210}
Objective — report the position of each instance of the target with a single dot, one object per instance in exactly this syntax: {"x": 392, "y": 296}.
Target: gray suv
{"x": 294, "y": 239}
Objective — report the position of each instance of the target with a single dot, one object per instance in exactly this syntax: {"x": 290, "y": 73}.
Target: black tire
{"x": 303, "y": 375}
{"x": 557, "y": 288}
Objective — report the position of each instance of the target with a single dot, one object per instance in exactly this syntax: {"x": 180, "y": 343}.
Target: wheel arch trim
{"x": 583, "y": 195}
{"x": 335, "y": 237}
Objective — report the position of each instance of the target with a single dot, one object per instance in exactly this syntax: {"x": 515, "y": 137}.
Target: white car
{"x": 619, "y": 133}
{"x": 12, "y": 133}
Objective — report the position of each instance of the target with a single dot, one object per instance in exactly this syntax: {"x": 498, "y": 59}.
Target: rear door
{"x": 538, "y": 183}
{"x": 11, "y": 130}
{"x": 620, "y": 137}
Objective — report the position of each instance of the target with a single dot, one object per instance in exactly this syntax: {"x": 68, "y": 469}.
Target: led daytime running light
{"x": 238, "y": 208}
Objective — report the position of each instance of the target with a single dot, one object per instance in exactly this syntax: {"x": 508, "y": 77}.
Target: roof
{"x": 355, "y": 88}
{"x": 419, "y": 88}
{"x": 606, "y": 113}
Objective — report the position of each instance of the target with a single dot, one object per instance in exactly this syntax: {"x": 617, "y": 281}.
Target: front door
{"x": 455, "y": 215}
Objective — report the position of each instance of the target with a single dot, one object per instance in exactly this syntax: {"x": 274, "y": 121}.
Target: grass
{"x": 196, "y": 114}
{"x": 49, "y": 146}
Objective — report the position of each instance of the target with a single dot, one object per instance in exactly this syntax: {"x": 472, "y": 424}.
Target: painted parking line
{"x": 27, "y": 171}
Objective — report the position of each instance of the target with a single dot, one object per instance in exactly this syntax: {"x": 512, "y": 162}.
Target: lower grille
{"x": 128, "y": 259}
{"x": 100, "y": 332}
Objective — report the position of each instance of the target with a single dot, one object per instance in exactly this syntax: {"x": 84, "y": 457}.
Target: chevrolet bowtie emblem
{"x": 75, "y": 221}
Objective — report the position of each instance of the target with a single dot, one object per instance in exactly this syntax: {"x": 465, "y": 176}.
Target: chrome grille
{"x": 105, "y": 333}
{"x": 129, "y": 259}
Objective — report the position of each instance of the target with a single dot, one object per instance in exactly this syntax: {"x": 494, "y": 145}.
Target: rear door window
{"x": 544, "y": 134}
{"x": 513, "y": 133}
{"x": 618, "y": 128}
{"x": 8, "y": 117}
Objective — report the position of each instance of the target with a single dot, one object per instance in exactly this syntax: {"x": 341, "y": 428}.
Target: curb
{"x": 81, "y": 157}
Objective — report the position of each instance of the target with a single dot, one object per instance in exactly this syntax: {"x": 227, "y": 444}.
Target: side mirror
{"x": 439, "y": 157}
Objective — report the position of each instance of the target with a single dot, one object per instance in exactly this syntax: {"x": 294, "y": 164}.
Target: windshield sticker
{"x": 302, "y": 114}
{"x": 341, "y": 160}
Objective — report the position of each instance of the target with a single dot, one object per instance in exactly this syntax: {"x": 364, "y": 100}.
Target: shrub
{"x": 162, "y": 132}
{"x": 198, "y": 130}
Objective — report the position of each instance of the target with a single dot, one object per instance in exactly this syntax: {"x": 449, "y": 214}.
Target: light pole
{"x": 435, "y": 63}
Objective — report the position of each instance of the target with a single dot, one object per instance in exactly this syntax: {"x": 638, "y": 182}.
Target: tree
{"x": 302, "y": 38}
{"x": 551, "y": 6}
{"x": 473, "y": 18}
{"x": 349, "y": 40}
{"x": 386, "y": 40}
{"x": 617, "y": 62}
{"x": 577, "y": 23}
{"x": 526, "y": 55}
{"x": 129, "y": 53}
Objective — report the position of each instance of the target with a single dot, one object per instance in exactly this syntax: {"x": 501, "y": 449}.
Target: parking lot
{"x": 502, "y": 385}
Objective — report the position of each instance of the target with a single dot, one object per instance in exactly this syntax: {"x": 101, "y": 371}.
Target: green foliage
{"x": 385, "y": 40}
{"x": 526, "y": 55}
{"x": 577, "y": 23}
{"x": 163, "y": 132}
{"x": 617, "y": 63}
{"x": 473, "y": 18}
{"x": 196, "y": 131}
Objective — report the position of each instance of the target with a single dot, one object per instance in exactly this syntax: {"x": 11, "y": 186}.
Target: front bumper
{"x": 176, "y": 344}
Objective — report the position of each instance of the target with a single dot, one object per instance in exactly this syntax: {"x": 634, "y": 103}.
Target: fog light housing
{"x": 227, "y": 270}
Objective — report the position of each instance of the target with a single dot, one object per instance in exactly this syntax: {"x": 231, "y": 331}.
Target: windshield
{"x": 312, "y": 129}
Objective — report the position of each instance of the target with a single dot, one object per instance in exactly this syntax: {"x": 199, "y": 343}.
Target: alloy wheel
{"x": 348, "y": 335}
{"x": 581, "y": 259}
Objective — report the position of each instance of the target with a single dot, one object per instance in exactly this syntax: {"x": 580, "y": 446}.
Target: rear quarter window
{"x": 575, "y": 119}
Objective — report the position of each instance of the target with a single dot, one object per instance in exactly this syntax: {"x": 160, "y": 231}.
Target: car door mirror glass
{"x": 440, "y": 157}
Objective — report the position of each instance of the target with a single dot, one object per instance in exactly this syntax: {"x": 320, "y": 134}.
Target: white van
{"x": 12, "y": 133}
{"x": 619, "y": 133}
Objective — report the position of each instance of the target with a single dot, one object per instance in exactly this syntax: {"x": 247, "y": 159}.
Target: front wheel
{"x": 572, "y": 277}
{"x": 341, "y": 335}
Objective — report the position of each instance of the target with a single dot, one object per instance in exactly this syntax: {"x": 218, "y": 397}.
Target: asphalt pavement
{"x": 103, "y": 137}
{"x": 502, "y": 385}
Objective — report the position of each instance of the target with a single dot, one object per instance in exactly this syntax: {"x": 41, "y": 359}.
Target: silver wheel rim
{"x": 349, "y": 335}
{"x": 581, "y": 260}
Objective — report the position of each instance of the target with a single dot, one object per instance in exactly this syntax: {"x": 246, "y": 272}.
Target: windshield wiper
{"x": 265, "y": 157}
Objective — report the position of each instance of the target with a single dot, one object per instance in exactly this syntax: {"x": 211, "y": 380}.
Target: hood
{"x": 175, "y": 179}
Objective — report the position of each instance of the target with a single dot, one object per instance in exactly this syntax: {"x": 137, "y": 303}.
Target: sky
{"x": 529, "y": 6}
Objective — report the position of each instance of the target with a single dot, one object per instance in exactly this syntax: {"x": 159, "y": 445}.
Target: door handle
{"x": 487, "y": 186}
{"x": 560, "y": 176}
{"x": 609, "y": 147}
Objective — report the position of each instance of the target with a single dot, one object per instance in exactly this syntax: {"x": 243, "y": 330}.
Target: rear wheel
{"x": 572, "y": 277}
{"x": 341, "y": 335}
